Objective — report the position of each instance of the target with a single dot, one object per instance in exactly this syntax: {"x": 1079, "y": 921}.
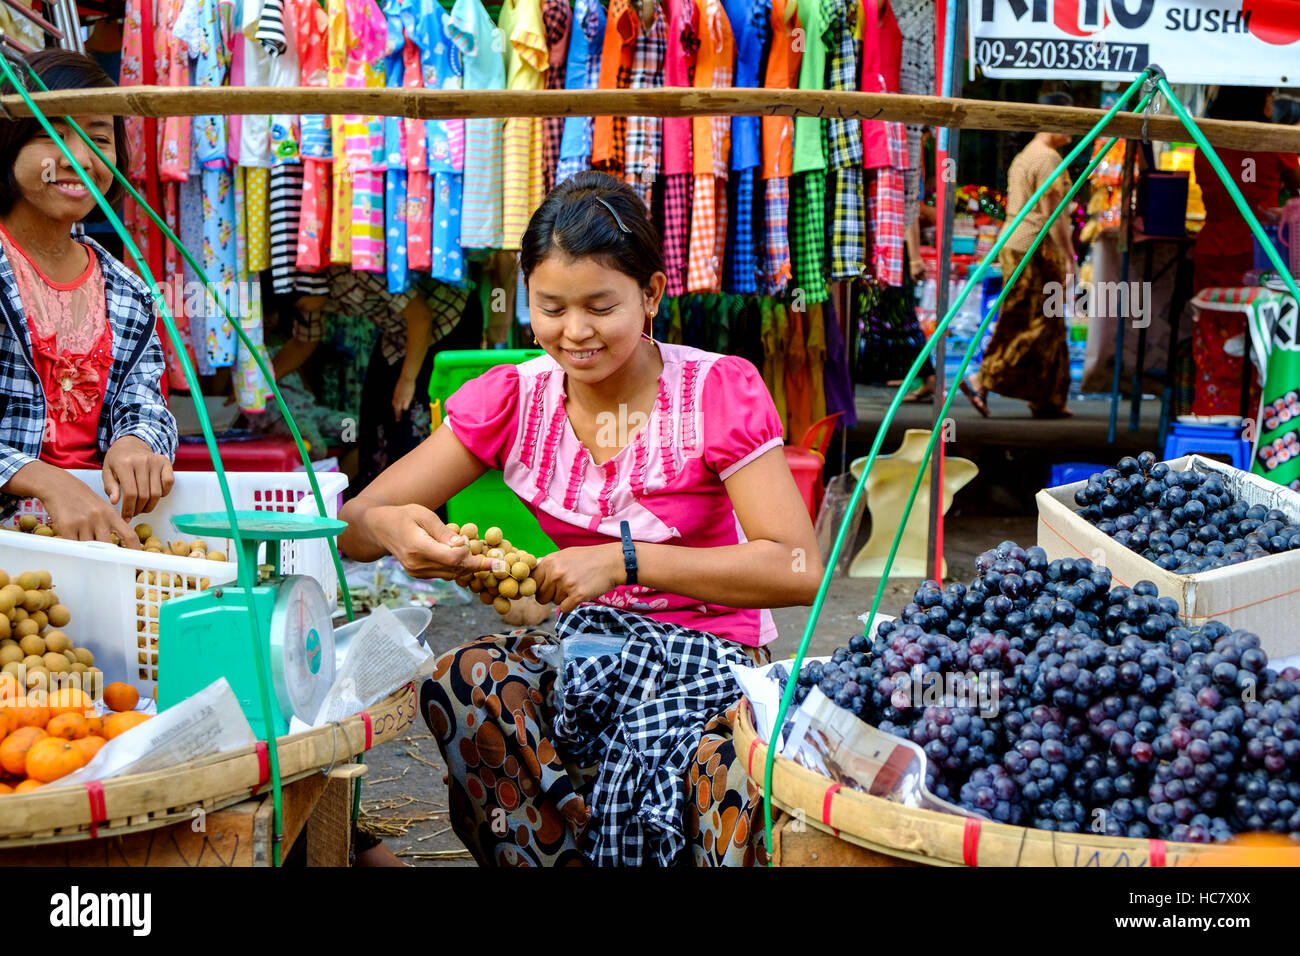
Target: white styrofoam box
{"x": 100, "y": 584}
{"x": 1261, "y": 596}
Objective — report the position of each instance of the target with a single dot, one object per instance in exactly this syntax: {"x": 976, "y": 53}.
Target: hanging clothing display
{"x": 645, "y": 133}
{"x": 808, "y": 184}
{"x": 848, "y": 239}
{"x": 785, "y": 55}
{"x": 609, "y": 133}
{"x": 482, "y": 68}
{"x": 749, "y": 27}
{"x": 711, "y": 149}
{"x": 525, "y": 48}
{"x": 678, "y": 163}
{"x": 557, "y": 17}
{"x": 582, "y": 72}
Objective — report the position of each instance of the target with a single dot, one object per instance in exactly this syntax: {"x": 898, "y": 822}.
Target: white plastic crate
{"x": 114, "y": 612}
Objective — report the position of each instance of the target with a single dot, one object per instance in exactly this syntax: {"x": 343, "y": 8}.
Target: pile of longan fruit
{"x": 35, "y": 653}
{"x": 497, "y": 588}
{"x": 150, "y": 542}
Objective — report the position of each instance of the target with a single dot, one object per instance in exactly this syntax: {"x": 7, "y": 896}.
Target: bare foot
{"x": 379, "y": 855}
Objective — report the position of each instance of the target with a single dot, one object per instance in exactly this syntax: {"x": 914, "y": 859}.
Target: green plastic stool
{"x": 488, "y": 501}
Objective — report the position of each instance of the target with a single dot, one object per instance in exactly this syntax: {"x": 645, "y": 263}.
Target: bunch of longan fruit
{"x": 497, "y": 588}
{"x": 34, "y": 650}
{"x": 150, "y": 542}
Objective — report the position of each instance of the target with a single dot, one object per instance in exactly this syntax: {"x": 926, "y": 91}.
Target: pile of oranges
{"x": 45, "y": 737}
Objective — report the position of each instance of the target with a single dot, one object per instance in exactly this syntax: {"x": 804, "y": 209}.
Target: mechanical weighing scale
{"x": 207, "y": 633}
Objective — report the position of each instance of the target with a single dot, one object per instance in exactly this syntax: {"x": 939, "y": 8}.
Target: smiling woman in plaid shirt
{"x": 80, "y": 362}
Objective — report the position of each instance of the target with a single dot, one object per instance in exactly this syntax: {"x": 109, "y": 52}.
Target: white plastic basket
{"x": 100, "y": 584}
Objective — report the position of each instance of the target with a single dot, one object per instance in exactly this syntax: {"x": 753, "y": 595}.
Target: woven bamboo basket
{"x": 143, "y": 801}
{"x": 945, "y": 839}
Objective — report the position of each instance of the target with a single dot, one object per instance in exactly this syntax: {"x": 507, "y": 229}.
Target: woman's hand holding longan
{"x": 425, "y": 546}
{"x": 575, "y": 575}
{"x": 81, "y": 515}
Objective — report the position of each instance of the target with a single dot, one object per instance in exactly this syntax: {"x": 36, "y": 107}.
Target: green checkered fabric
{"x": 808, "y": 235}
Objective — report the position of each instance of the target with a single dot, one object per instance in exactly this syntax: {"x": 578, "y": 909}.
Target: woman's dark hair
{"x": 1056, "y": 99}
{"x": 1243, "y": 103}
{"x": 1286, "y": 110}
{"x": 594, "y": 215}
{"x": 58, "y": 70}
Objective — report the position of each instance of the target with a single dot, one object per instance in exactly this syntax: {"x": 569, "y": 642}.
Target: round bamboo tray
{"x": 945, "y": 839}
{"x": 143, "y": 801}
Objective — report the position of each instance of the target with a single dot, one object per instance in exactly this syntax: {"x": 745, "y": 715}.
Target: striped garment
{"x": 645, "y": 133}
{"x": 285, "y": 214}
{"x": 477, "y": 38}
{"x": 525, "y": 42}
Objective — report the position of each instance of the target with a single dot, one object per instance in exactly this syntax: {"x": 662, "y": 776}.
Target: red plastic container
{"x": 274, "y": 453}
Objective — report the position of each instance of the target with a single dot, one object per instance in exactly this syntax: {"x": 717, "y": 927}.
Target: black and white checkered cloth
{"x": 640, "y": 714}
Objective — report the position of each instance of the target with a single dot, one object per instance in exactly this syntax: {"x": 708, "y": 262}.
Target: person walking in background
{"x": 1027, "y": 356}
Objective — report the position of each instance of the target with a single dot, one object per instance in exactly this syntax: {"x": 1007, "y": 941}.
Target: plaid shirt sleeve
{"x": 447, "y": 303}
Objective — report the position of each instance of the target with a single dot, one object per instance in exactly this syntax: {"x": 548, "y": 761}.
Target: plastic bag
{"x": 835, "y": 506}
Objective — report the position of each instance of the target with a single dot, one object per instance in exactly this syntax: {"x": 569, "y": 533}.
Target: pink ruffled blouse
{"x": 712, "y": 417}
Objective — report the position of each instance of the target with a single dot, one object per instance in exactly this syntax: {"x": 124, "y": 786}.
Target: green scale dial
{"x": 206, "y": 635}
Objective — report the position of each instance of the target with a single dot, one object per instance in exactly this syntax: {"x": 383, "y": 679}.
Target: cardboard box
{"x": 1261, "y": 596}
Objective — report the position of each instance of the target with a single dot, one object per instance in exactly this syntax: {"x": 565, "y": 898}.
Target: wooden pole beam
{"x": 953, "y": 112}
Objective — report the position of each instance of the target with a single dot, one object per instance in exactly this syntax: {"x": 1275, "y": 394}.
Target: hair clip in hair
{"x": 618, "y": 219}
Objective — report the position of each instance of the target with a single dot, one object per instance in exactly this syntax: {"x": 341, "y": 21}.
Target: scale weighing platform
{"x": 208, "y": 634}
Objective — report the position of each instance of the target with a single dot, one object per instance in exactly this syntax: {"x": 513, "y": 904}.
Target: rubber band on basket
{"x": 334, "y": 748}
{"x": 970, "y": 842}
{"x": 370, "y": 730}
{"x": 98, "y": 809}
{"x": 826, "y": 806}
{"x": 263, "y": 766}
{"x": 749, "y": 767}
{"x": 1157, "y": 852}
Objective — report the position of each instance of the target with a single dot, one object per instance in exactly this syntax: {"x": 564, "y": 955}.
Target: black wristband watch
{"x": 629, "y": 552}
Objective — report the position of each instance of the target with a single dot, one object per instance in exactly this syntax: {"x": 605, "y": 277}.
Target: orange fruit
{"x": 28, "y": 711}
{"x": 8, "y": 722}
{"x": 89, "y": 746}
{"x": 121, "y": 697}
{"x": 115, "y": 724}
{"x": 70, "y": 700}
{"x": 5, "y": 788}
{"x": 95, "y": 725}
{"x": 53, "y": 757}
{"x": 28, "y": 785}
{"x": 13, "y": 750}
{"x": 68, "y": 726}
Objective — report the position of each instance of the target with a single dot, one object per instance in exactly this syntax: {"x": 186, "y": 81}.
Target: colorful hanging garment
{"x": 317, "y": 139}
{"x": 848, "y": 245}
{"x": 645, "y": 133}
{"x": 480, "y": 45}
{"x": 521, "y": 25}
{"x": 808, "y": 183}
{"x": 749, "y": 24}
{"x": 711, "y": 149}
{"x": 679, "y": 170}
{"x": 445, "y": 141}
{"x": 609, "y": 133}
{"x": 582, "y": 72}
{"x": 557, "y": 17}
{"x": 364, "y": 135}
{"x": 783, "y": 60}
{"x": 395, "y": 175}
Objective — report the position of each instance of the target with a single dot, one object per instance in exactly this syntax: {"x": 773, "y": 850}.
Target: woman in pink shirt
{"x": 609, "y": 427}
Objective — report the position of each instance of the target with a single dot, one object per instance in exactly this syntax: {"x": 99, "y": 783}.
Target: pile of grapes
{"x": 1182, "y": 521}
{"x": 1107, "y": 714}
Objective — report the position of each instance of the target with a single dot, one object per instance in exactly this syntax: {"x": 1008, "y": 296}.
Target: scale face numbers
{"x": 302, "y": 646}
